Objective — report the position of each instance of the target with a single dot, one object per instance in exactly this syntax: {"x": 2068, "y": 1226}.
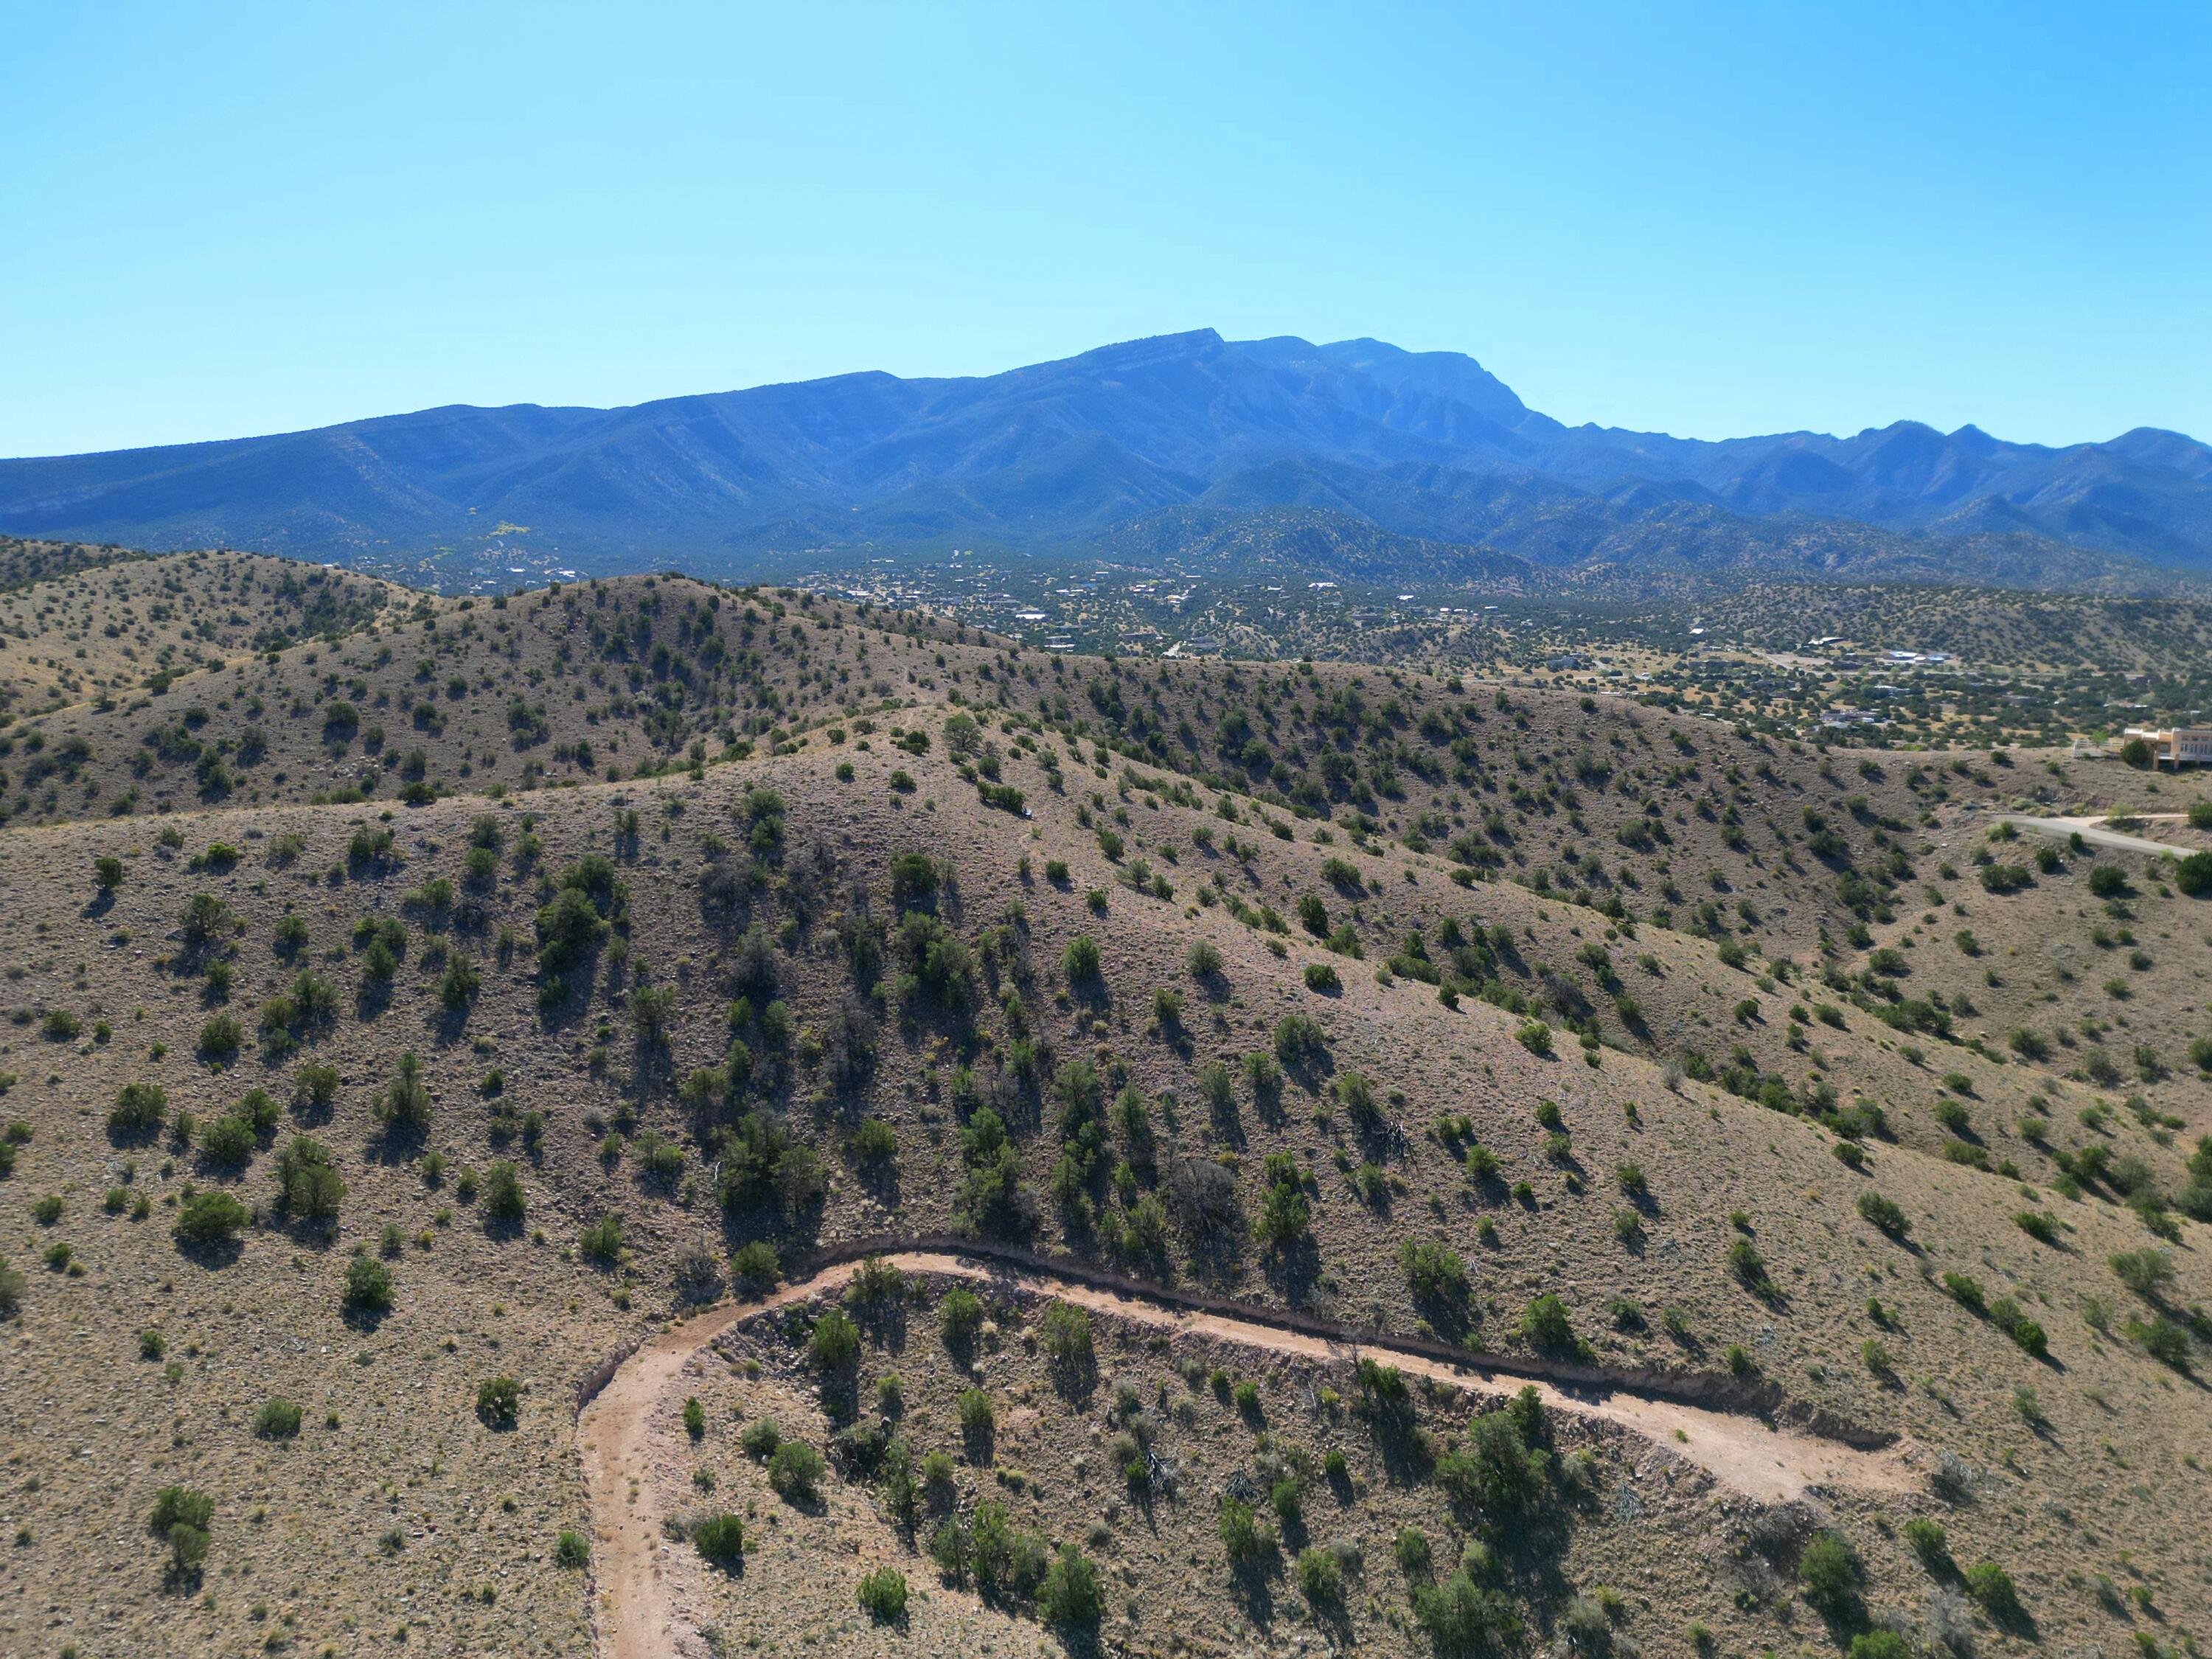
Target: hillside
{"x": 73, "y": 637}
{"x": 1064, "y": 456}
{"x": 879, "y": 961}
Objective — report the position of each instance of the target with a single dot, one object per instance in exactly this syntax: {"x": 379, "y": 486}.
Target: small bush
{"x": 883, "y": 1595}
{"x": 308, "y": 1186}
{"x": 1073, "y": 1593}
{"x": 1080, "y": 960}
{"x": 1242, "y": 1538}
{"x": 209, "y": 1219}
{"x": 499, "y": 1400}
{"x": 958, "y": 1316}
{"x": 793, "y": 1469}
{"x": 1749, "y": 1267}
{"x": 572, "y": 1550}
{"x": 368, "y": 1285}
{"x": 719, "y": 1538}
{"x": 1830, "y": 1572}
{"x": 277, "y": 1419}
{"x": 835, "y": 1343}
{"x": 1066, "y": 1330}
{"x": 139, "y": 1108}
{"x": 1929, "y": 1543}
{"x": 502, "y": 1194}
{"x": 1881, "y": 1212}
{"x": 1319, "y": 1578}
{"x": 754, "y": 1265}
{"x": 220, "y": 1040}
{"x": 977, "y": 1414}
{"x": 1545, "y": 1324}
{"x": 601, "y": 1241}
{"x": 1991, "y": 1586}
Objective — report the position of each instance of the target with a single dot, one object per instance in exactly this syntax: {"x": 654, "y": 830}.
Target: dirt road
{"x": 631, "y": 1560}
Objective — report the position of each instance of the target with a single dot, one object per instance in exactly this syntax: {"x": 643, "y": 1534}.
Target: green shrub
{"x": 1073, "y": 1593}
{"x": 1434, "y": 1272}
{"x": 883, "y": 1595}
{"x": 227, "y": 1141}
{"x": 719, "y": 1538}
{"x": 754, "y": 1265}
{"x": 1080, "y": 960}
{"x": 1544, "y": 1325}
{"x": 1242, "y": 1536}
{"x": 793, "y": 1469}
{"x": 572, "y": 1549}
{"x": 977, "y": 1414}
{"x": 1829, "y": 1571}
{"x": 368, "y": 1285}
{"x": 405, "y": 1108}
{"x": 1065, "y": 1331}
{"x": 220, "y": 1040}
{"x": 502, "y": 1194}
{"x": 499, "y": 1399}
{"x": 277, "y": 1419}
{"x": 601, "y": 1240}
{"x": 1319, "y": 1578}
{"x": 1881, "y": 1212}
{"x": 1991, "y": 1586}
{"x": 835, "y": 1342}
{"x": 1749, "y": 1267}
{"x": 760, "y": 1438}
{"x": 1929, "y": 1543}
{"x": 209, "y": 1219}
{"x": 308, "y": 1186}
{"x": 139, "y": 1108}
{"x": 874, "y": 1141}
{"x": 1299, "y": 1040}
{"x": 958, "y": 1316}
{"x": 1462, "y": 1617}
{"x": 1322, "y": 977}
{"x": 180, "y": 1519}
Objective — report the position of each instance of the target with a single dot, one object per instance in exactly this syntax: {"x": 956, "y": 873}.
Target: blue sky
{"x": 1705, "y": 219}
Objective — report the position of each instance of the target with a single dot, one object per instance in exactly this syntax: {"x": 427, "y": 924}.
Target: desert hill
{"x": 586, "y": 1052}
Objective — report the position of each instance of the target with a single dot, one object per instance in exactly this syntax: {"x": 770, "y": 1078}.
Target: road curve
{"x": 632, "y": 1611}
{"x": 2093, "y": 830}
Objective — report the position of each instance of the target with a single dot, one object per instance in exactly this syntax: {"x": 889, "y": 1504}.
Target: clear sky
{"x": 226, "y": 219}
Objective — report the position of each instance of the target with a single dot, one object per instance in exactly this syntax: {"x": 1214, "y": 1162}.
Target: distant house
{"x": 2176, "y": 746}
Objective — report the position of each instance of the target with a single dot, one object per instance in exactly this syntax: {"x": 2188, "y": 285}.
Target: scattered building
{"x": 2176, "y": 745}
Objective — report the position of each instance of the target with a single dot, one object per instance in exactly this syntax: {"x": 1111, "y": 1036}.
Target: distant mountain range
{"x": 1423, "y": 461}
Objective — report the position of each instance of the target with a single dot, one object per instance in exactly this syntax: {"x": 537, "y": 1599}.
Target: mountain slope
{"x": 1061, "y": 453}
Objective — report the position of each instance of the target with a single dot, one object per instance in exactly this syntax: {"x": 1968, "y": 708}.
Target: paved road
{"x": 2093, "y": 830}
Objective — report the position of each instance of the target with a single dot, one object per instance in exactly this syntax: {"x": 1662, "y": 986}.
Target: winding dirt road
{"x": 633, "y": 1609}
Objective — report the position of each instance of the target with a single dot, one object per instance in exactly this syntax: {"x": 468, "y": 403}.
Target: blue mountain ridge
{"x": 1069, "y": 455}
